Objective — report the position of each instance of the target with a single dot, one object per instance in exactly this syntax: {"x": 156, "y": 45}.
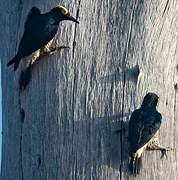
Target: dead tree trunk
{"x": 62, "y": 127}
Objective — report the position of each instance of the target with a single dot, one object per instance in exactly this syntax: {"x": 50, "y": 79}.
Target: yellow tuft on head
{"x": 64, "y": 10}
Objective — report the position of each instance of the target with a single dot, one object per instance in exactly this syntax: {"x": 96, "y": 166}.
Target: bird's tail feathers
{"x": 15, "y": 61}
{"x": 25, "y": 77}
{"x": 135, "y": 164}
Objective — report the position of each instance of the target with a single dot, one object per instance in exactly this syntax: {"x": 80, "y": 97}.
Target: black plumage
{"x": 33, "y": 12}
{"x": 143, "y": 125}
{"x": 39, "y": 29}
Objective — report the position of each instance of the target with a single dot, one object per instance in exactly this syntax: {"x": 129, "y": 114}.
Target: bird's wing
{"x": 142, "y": 127}
{"x": 33, "y": 12}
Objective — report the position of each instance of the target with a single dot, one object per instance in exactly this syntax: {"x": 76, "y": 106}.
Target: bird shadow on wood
{"x": 85, "y": 143}
{"x": 131, "y": 74}
{"x": 113, "y": 140}
{"x": 89, "y": 144}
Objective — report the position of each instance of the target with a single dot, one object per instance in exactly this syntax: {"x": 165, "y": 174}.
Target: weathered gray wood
{"x": 78, "y": 98}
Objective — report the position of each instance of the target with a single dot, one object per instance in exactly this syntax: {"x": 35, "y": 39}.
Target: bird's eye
{"x": 64, "y": 11}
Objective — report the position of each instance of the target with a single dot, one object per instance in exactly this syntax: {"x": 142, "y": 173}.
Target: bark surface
{"x": 63, "y": 126}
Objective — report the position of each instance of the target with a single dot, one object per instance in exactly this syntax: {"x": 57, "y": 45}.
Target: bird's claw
{"x": 164, "y": 152}
{"x": 55, "y": 49}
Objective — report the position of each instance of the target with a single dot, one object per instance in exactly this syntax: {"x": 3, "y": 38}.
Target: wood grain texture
{"x": 78, "y": 98}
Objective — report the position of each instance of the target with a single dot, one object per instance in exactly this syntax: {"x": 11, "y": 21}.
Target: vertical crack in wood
{"x": 74, "y": 86}
{"x": 121, "y": 136}
{"x": 21, "y": 128}
{"x": 38, "y": 160}
{"x": 21, "y": 165}
{"x": 21, "y": 131}
{"x": 22, "y": 117}
{"x": 124, "y": 80}
{"x": 175, "y": 104}
{"x": 73, "y": 93}
{"x": 72, "y": 118}
{"x": 75, "y": 30}
{"x": 22, "y": 113}
{"x": 165, "y": 7}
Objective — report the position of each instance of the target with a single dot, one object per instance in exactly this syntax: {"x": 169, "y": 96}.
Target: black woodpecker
{"x": 39, "y": 31}
{"x": 143, "y": 131}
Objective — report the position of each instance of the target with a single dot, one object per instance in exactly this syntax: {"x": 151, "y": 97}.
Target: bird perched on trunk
{"x": 39, "y": 32}
{"x": 143, "y": 131}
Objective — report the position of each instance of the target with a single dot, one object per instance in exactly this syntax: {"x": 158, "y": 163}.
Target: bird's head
{"x": 151, "y": 100}
{"x": 62, "y": 14}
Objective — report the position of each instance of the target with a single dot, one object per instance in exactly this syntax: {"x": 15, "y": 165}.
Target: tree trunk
{"x": 63, "y": 126}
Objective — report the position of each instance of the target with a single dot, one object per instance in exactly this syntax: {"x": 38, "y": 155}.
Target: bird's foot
{"x": 160, "y": 148}
{"x": 53, "y": 50}
{"x": 55, "y": 47}
{"x": 164, "y": 151}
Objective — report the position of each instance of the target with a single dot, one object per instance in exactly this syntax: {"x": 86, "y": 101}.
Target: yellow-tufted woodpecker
{"x": 143, "y": 131}
{"x": 39, "y": 31}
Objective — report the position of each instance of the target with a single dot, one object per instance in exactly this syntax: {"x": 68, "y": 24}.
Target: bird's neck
{"x": 148, "y": 106}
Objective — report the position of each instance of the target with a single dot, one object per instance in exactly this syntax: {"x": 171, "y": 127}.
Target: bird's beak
{"x": 70, "y": 18}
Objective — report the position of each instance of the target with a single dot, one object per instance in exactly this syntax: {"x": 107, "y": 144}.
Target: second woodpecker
{"x": 39, "y": 31}
{"x": 143, "y": 131}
